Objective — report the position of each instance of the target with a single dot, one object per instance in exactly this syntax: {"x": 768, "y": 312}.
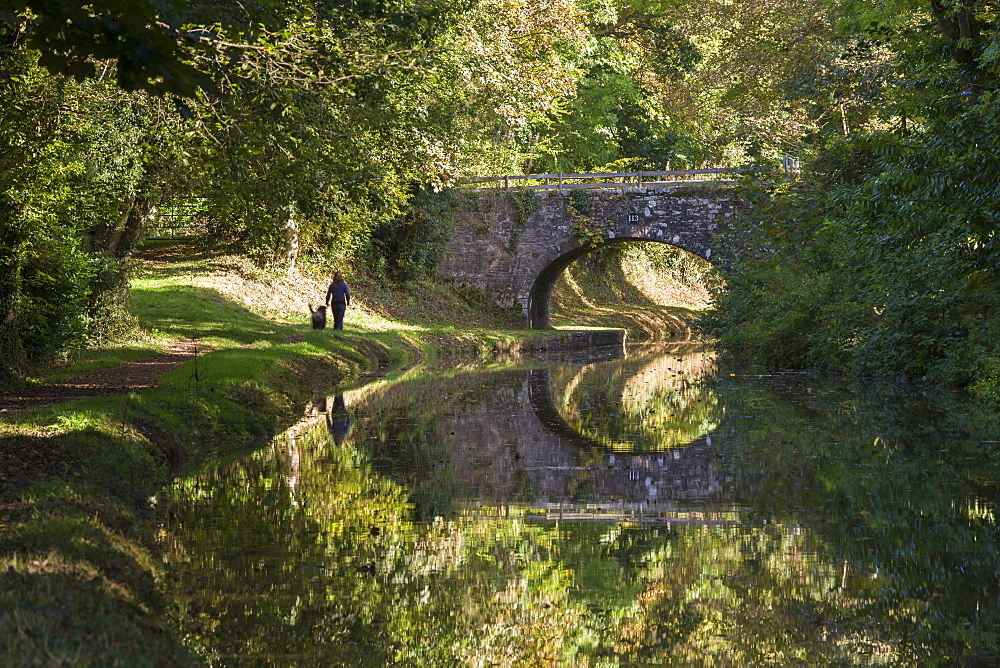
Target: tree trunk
{"x": 291, "y": 238}
{"x": 12, "y": 357}
{"x": 119, "y": 241}
{"x": 958, "y": 23}
{"x": 135, "y": 221}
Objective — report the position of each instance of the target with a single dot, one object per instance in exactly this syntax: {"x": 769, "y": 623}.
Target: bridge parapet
{"x": 618, "y": 180}
{"x": 513, "y": 246}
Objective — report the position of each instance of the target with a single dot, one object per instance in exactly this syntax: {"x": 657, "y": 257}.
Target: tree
{"x": 281, "y": 122}
{"x": 150, "y": 50}
{"x": 77, "y": 174}
{"x": 893, "y": 269}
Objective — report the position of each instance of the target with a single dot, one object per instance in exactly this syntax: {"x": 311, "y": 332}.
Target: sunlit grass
{"x": 174, "y": 309}
{"x": 627, "y": 290}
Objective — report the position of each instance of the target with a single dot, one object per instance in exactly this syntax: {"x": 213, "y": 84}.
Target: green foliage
{"x": 987, "y": 383}
{"x": 587, "y": 230}
{"x": 875, "y": 290}
{"x": 616, "y": 114}
{"x": 56, "y": 284}
{"x": 312, "y": 143}
{"x": 71, "y": 172}
{"x": 832, "y": 294}
{"x": 789, "y": 316}
{"x": 581, "y": 200}
{"x": 320, "y": 129}
{"x": 407, "y": 247}
{"x": 526, "y": 202}
{"x": 892, "y": 270}
{"x": 107, "y": 293}
{"x": 150, "y": 50}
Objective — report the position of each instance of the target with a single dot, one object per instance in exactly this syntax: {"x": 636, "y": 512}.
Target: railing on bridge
{"x": 619, "y": 180}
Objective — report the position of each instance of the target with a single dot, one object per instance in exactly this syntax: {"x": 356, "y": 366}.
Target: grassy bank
{"x": 79, "y": 579}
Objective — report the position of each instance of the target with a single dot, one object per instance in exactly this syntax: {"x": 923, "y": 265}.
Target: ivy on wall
{"x": 525, "y": 203}
{"x": 587, "y": 230}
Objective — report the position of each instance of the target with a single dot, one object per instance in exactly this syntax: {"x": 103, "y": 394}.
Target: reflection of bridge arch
{"x": 540, "y": 398}
{"x": 507, "y": 440}
{"x": 543, "y": 404}
{"x": 685, "y": 473}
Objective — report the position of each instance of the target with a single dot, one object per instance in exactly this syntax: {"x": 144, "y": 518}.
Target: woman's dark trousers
{"x": 338, "y": 315}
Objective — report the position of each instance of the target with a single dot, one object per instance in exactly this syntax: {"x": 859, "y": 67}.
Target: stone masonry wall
{"x": 513, "y": 246}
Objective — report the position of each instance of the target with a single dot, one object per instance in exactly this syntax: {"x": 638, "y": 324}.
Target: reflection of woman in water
{"x": 338, "y": 420}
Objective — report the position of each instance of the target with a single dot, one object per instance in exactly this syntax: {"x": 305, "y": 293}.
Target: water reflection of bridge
{"x": 555, "y": 464}
{"x": 509, "y": 443}
{"x": 651, "y": 480}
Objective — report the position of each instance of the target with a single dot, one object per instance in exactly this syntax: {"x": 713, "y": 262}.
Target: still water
{"x": 647, "y": 510}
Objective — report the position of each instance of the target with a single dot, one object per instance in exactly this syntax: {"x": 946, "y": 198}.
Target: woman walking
{"x": 338, "y": 298}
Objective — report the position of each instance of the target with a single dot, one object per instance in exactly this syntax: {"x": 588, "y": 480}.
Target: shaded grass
{"x": 96, "y": 359}
{"x": 80, "y": 584}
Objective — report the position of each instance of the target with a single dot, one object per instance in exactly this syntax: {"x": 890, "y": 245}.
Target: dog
{"x": 318, "y": 316}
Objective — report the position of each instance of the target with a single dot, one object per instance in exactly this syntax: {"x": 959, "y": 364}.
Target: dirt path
{"x": 122, "y": 378}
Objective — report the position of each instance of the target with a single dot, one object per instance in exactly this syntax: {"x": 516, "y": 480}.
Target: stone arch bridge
{"x": 514, "y": 244}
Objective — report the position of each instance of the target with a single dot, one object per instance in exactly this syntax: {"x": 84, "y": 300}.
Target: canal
{"x": 650, "y": 509}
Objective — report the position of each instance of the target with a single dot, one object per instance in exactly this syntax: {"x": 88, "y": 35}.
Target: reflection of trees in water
{"x": 737, "y": 594}
{"x": 348, "y": 578}
{"x": 642, "y": 404}
{"x": 896, "y": 481}
{"x": 871, "y": 541}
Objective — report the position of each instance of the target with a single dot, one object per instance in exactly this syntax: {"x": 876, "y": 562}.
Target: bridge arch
{"x": 515, "y": 259}
{"x": 540, "y": 296}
